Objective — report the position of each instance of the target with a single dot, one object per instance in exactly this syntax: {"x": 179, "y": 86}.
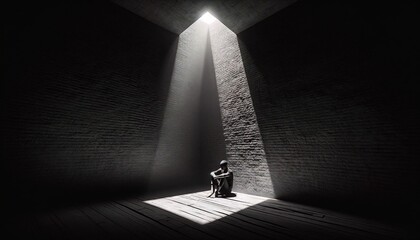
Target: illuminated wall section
{"x": 176, "y": 158}
{"x": 244, "y": 145}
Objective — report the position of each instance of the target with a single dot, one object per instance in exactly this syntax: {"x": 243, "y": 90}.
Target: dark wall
{"x": 82, "y": 98}
{"x": 334, "y": 90}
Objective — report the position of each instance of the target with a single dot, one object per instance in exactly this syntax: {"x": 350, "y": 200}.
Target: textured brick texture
{"x": 85, "y": 93}
{"x": 83, "y": 98}
{"x": 244, "y": 146}
{"x": 97, "y": 101}
{"x": 335, "y": 94}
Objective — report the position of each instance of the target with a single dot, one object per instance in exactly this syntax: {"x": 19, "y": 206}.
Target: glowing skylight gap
{"x": 207, "y": 18}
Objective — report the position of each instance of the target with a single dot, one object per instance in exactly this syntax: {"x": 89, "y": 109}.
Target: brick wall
{"x": 332, "y": 87}
{"x": 244, "y": 147}
{"x": 335, "y": 94}
{"x": 83, "y": 98}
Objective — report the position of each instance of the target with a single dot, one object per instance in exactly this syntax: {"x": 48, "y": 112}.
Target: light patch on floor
{"x": 198, "y": 208}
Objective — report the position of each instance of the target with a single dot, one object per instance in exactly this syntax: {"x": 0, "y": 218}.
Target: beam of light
{"x": 175, "y": 159}
{"x": 244, "y": 144}
{"x": 198, "y": 208}
{"x": 207, "y": 18}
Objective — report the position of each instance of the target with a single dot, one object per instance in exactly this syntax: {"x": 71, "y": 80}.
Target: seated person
{"x": 222, "y": 180}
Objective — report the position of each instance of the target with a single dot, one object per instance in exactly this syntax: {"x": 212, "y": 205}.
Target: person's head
{"x": 223, "y": 164}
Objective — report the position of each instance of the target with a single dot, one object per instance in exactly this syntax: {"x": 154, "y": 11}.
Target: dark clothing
{"x": 224, "y": 185}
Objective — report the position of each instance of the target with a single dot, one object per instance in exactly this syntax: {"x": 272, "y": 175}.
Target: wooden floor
{"x": 194, "y": 216}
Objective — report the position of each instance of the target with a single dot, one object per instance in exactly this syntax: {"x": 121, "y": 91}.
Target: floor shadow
{"x": 229, "y": 195}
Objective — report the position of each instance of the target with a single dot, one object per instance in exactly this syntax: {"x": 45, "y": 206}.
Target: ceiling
{"x": 177, "y": 15}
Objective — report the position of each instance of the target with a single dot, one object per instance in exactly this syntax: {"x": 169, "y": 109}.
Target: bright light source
{"x": 207, "y": 18}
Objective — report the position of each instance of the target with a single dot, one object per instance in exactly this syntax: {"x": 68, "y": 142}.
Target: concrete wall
{"x": 335, "y": 94}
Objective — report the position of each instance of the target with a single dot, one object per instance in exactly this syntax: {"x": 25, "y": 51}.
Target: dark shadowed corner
{"x": 338, "y": 127}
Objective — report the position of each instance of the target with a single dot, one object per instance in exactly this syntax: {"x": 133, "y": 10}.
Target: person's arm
{"x": 218, "y": 174}
{"x": 222, "y": 175}
{"x": 215, "y": 173}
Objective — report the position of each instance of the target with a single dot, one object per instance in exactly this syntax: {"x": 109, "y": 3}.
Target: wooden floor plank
{"x": 152, "y": 225}
{"x": 48, "y": 228}
{"x": 195, "y": 216}
{"x": 285, "y": 217}
{"x": 112, "y": 229}
{"x": 281, "y": 219}
{"x": 134, "y": 225}
{"x": 280, "y": 230}
{"x": 327, "y": 220}
{"x": 250, "y": 223}
{"x": 229, "y": 207}
{"x": 252, "y": 229}
{"x": 171, "y": 221}
{"x": 76, "y": 224}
